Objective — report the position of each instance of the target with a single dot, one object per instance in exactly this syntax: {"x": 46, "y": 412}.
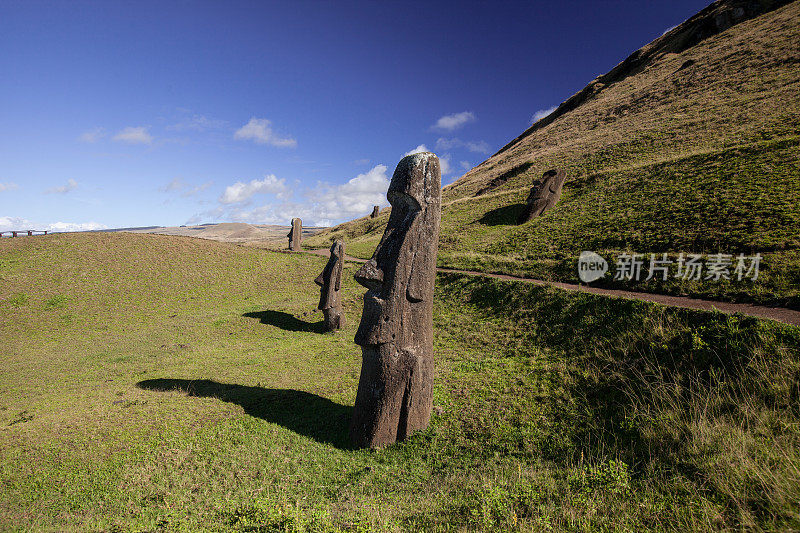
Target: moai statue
{"x": 375, "y": 211}
{"x": 295, "y": 234}
{"x": 395, "y": 391}
{"x": 543, "y": 196}
{"x": 330, "y": 282}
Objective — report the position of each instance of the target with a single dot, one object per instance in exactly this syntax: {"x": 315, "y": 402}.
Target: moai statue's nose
{"x": 369, "y": 275}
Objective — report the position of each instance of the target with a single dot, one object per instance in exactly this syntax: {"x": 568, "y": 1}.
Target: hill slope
{"x": 689, "y": 145}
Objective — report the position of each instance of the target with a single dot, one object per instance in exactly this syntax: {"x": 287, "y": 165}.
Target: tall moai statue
{"x": 330, "y": 281}
{"x": 295, "y": 234}
{"x": 395, "y": 390}
{"x": 375, "y": 211}
{"x": 544, "y": 195}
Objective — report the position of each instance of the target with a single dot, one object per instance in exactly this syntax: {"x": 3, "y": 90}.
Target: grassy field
{"x": 155, "y": 383}
{"x": 672, "y": 158}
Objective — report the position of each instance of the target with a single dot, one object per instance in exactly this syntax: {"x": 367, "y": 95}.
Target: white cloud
{"x": 360, "y": 162}
{"x": 466, "y": 165}
{"x": 22, "y": 224}
{"x": 175, "y": 185}
{"x": 92, "y": 136}
{"x": 668, "y": 30}
{"x": 197, "y": 123}
{"x": 8, "y": 186}
{"x": 479, "y": 147}
{"x": 418, "y": 150}
{"x": 444, "y": 164}
{"x": 259, "y": 130}
{"x": 454, "y": 121}
{"x": 15, "y": 224}
{"x": 72, "y": 226}
{"x": 134, "y": 135}
{"x": 354, "y": 198}
{"x": 185, "y": 189}
{"x": 322, "y": 206}
{"x": 63, "y": 189}
{"x": 241, "y": 192}
{"x": 540, "y": 114}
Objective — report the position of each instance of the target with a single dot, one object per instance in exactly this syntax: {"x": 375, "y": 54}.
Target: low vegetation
{"x": 165, "y": 383}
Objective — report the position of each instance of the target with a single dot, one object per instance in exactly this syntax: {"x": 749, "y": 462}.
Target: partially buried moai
{"x": 295, "y": 234}
{"x": 330, "y": 281}
{"x": 395, "y": 391}
{"x": 375, "y": 211}
{"x": 544, "y": 195}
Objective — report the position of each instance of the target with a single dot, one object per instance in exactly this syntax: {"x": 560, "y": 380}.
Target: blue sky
{"x": 118, "y": 114}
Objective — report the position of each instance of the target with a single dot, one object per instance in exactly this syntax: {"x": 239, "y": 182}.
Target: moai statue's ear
{"x": 337, "y": 273}
{"x": 419, "y": 276}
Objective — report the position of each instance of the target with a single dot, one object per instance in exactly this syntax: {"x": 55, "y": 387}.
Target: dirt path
{"x": 781, "y": 314}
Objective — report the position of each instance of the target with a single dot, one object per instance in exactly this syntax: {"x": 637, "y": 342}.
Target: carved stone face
{"x": 295, "y": 234}
{"x": 395, "y": 390}
{"x": 331, "y": 278}
{"x": 401, "y": 273}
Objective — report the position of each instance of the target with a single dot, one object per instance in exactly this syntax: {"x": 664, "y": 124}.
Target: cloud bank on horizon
{"x": 268, "y": 199}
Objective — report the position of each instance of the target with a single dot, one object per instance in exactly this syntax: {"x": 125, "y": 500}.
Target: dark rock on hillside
{"x": 543, "y": 196}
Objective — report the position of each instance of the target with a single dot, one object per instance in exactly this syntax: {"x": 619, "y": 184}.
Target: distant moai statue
{"x": 330, "y": 281}
{"x": 544, "y": 195}
{"x": 295, "y": 234}
{"x": 395, "y": 390}
{"x": 30, "y": 232}
{"x": 375, "y": 211}
{"x": 13, "y": 233}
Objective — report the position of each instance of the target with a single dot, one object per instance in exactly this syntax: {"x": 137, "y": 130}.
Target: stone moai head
{"x": 544, "y": 195}
{"x": 395, "y": 391}
{"x": 375, "y": 211}
{"x": 330, "y": 281}
{"x": 295, "y": 234}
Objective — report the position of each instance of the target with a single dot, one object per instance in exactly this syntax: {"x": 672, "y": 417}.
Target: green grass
{"x": 162, "y": 383}
{"x": 738, "y": 200}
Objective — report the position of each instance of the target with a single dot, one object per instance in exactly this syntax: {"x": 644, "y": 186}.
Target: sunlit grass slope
{"x": 693, "y": 151}
{"x": 165, "y": 383}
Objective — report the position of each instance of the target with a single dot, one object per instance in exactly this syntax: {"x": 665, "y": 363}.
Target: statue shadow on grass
{"x": 503, "y": 216}
{"x": 304, "y": 413}
{"x": 286, "y": 321}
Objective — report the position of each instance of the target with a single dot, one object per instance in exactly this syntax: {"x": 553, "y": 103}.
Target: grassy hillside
{"x": 679, "y": 149}
{"x": 166, "y": 383}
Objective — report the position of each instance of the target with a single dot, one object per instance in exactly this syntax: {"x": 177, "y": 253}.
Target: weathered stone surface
{"x": 543, "y": 196}
{"x": 295, "y": 234}
{"x": 375, "y": 211}
{"x": 330, "y": 282}
{"x": 395, "y": 391}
